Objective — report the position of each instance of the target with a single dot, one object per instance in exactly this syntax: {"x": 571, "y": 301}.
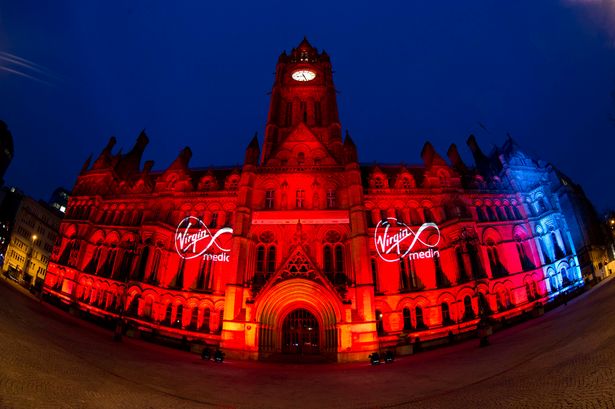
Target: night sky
{"x": 73, "y": 73}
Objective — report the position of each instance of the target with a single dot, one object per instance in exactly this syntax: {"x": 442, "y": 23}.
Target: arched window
{"x": 545, "y": 252}
{"x": 206, "y": 318}
{"x": 531, "y": 296}
{"x": 463, "y": 274}
{"x": 92, "y": 266}
{"x": 271, "y": 261}
{"x": 517, "y": 213}
{"x": 420, "y": 322}
{"x": 168, "y": 315}
{"x": 331, "y": 199}
{"x": 339, "y": 259}
{"x": 203, "y": 281}
{"x": 178, "y": 316}
{"x": 260, "y": 259}
{"x": 480, "y": 214}
{"x": 140, "y": 273}
{"x": 403, "y": 275}
{"x": 269, "y": 199}
{"x": 415, "y": 218}
{"x": 446, "y": 314}
{"x": 497, "y": 268}
{"x": 155, "y": 265}
{"x": 179, "y": 277}
{"x": 378, "y": 183}
{"x": 475, "y": 264}
{"x": 559, "y": 253}
{"x": 491, "y": 214}
{"x": 526, "y": 263}
{"x": 300, "y": 158}
{"x": 441, "y": 280}
{"x": 220, "y": 321}
{"x": 565, "y": 279}
{"x": 300, "y": 199}
{"x": 468, "y": 311}
{"x": 194, "y": 319}
{"x": 500, "y": 213}
{"x": 407, "y": 319}
{"x": 147, "y": 308}
{"x": 509, "y": 213}
{"x": 428, "y": 215}
{"x": 553, "y": 280}
{"x": 328, "y": 259}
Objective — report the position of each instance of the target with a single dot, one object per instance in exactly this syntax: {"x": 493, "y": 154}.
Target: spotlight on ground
{"x": 219, "y": 356}
{"x": 374, "y": 358}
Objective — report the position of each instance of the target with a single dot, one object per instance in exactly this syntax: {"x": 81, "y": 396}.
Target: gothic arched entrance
{"x": 300, "y": 333}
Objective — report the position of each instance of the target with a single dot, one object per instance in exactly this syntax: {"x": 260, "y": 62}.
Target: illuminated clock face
{"x": 304, "y": 75}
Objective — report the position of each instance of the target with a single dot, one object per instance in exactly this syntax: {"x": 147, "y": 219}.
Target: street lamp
{"x": 26, "y": 266}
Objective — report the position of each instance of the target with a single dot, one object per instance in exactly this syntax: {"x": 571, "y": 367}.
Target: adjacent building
{"x": 303, "y": 250}
{"x": 29, "y": 229}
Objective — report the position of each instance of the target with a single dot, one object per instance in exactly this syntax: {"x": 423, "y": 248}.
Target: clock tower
{"x": 303, "y": 95}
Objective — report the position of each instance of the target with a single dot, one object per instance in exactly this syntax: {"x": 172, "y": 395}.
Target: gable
{"x": 301, "y": 148}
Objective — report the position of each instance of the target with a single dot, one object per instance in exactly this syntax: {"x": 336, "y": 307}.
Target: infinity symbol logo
{"x": 191, "y": 243}
{"x": 395, "y": 243}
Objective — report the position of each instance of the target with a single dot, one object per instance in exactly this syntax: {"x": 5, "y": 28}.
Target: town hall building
{"x": 304, "y": 251}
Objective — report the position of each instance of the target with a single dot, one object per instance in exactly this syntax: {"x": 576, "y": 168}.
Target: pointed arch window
{"x": 468, "y": 310}
{"x": 497, "y": 268}
{"x": 407, "y": 319}
{"x": 491, "y": 214}
{"x": 300, "y": 199}
{"x": 260, "y": 259}
{"x": 206, "y": 318}
{"x": 509, "y": 213}
{"x": 526, "y": 262}
{"x": 155, "y": 265}
{"x": 420, "y": 320}
{"x": 269, "y": 199}
{"x": 517, "y": 213}
{"x": 203, "y": 281}
{"x": 463, "y": 274}
{"x": 271, "y": 260}
{"x": 500, "y": 213}
{"x": 428, "y": 215}
{"x": 559, "y": 252}
{"x": 331, "y": 199}
{"x": 446, "y": 314}
{"x": 480, "y": 214}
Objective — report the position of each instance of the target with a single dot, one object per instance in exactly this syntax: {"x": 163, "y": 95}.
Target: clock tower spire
{"x": 303, "y": 95}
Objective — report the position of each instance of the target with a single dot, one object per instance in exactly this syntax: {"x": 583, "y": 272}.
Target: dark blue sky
{"x": 198, "y": 74}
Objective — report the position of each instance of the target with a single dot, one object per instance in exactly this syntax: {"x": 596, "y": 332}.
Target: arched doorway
{"x": 300, "y": 333}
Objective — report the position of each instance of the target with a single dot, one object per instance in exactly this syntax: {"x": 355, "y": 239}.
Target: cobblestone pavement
{"x": 565, "y": 359}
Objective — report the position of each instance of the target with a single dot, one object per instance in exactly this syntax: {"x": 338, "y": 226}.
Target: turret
{"x": 431, "y": 157}
{"x": 105, "y": 159}
{"x": 253, "y": 151}
{"x": 455, "y": 158}
{"x": 350, "y": 150}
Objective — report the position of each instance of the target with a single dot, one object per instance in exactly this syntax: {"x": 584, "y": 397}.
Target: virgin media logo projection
{"x": 395, "y": 240}
{"x": 193, "y": 239}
